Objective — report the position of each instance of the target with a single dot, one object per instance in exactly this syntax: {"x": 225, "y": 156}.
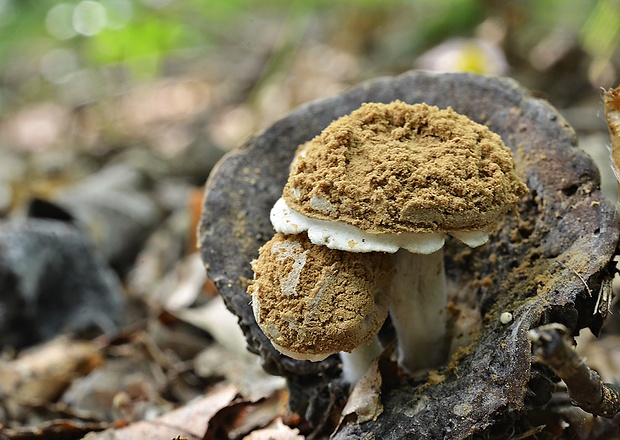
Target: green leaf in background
{"x": 141, "y": 45}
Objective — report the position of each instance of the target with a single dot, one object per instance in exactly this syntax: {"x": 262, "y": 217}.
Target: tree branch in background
{"x": 552, "y": 346}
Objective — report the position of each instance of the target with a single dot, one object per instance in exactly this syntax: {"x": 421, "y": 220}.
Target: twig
{"x": 605, "y": 296}
{"x": 552, "y": 346}
{"x": 578, "y": 275}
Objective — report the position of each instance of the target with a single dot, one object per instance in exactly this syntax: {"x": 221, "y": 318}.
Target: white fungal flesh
{"x": 471, "y": 238}
{"x": 290, "y": 249}
{"x": 356, "y": 363}
{"x": 418, "y": 309}
{"x": 300, "y": 356}
{"x": 321, "y": 204}
{"x": 345, "y": 237}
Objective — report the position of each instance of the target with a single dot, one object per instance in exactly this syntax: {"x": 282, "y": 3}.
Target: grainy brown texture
{"x": 404, "y": 168}
{"x": 565, "y": 228}
{"x": 312, "y": 300}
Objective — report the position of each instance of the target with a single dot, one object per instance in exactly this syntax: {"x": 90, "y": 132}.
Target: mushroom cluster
{"x": 360, "y": 232}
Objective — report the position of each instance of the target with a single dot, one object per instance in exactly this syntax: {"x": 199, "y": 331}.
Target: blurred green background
{"x": 46, "y": 44}
{"x": 100, "y": 76}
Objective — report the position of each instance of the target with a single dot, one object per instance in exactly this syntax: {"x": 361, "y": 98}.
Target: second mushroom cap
{"x": 401, "y": 168}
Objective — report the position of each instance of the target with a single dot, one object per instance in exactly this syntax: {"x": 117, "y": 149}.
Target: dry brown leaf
{"x": 41, "y": 373}
{"x": 188, "y": 421}
{"x": 55, "y": 429}
{"x": 241, "y": 369}
{"x": 218, "y": 321}
{"x": 124, "y": 388}
{"x": 275, "y": 431}
{"x": 195, "y": 211}
{"x": 244, "y": 416}
{"x": 611, "y": 99}
{"x": 365, "y": 399}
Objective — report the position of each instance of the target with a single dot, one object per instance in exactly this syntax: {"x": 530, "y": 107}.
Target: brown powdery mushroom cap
{"x": 393, "y": 168}
{"x": 312, "y": 301}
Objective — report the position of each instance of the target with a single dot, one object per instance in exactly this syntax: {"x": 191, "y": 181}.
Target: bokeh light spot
{"x": 59, "y": 21}
{"x": 89, "y": 18}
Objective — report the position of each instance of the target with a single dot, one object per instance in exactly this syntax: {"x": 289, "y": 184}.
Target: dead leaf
{"x": 188, "y": 421}
{"x": 241, "y": 369}
{"x": 244, "y": 416}
{"x": 218, "y": 321}
{"x": 41, "y": 373}
{"x": 189, "y": 280}
{"x": 277, "y": 430}
{"x": 122, "y": 388}
{"x": 55, "y": 429}
{"x": 611, "y": 99}
{"x": 365, "y": 399}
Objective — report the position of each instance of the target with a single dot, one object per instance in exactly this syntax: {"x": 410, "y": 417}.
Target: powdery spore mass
{"x": 404, "y": 168}
{"x": 339, "y": 300}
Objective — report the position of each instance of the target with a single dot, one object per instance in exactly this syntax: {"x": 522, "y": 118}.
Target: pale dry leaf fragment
{"x": 365, "y": 399}
{"x": 218, "y": 321}
{"x": 125, "y": 387}
{"x": 602, "y": 354}
{"x": 42, "y": 372}
{"x": 241, "y": 369}
{"x": 187, "y": 281}
{"x": 242, "y": 417}
{"x": 611, "y": 99}
{"x": 188, "y": 421}
{"x": 277, "y": 430}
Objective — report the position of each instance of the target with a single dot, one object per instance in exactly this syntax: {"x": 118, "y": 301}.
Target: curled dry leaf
{"x": 244, "y": 416}
{"x": 611, "y": 99}
{"x": 276, "y": 430}
{"x": 365, "y": 399}
{"x": 188, "y": 421}
{"x": 42, "y": 373}
{"x": 124, "y": 388}
{"x": 55, "y": 429}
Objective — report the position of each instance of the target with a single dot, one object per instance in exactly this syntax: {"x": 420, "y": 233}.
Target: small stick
{"x": 552, "y": 346}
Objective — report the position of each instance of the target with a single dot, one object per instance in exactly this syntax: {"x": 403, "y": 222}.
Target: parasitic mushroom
{"x": 397, "y": 178}
{"x": 565, "y": 239}
{"x": 312, "y": 301}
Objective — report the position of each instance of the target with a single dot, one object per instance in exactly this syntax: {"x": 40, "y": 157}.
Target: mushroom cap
{"x": 395, "y": 168}
{"x": 312, "y": 301}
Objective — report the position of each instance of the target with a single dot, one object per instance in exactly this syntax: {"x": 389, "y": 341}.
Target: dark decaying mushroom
{"x": 545, "y": 265}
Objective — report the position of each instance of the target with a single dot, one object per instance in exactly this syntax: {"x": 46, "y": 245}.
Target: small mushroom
{"x": 397, "y": 178}
{"x": 312, "y": 301}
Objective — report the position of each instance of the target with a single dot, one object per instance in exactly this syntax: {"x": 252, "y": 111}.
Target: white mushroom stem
{"x": 418, "y": 309}
{"x": 356, "y": 363}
